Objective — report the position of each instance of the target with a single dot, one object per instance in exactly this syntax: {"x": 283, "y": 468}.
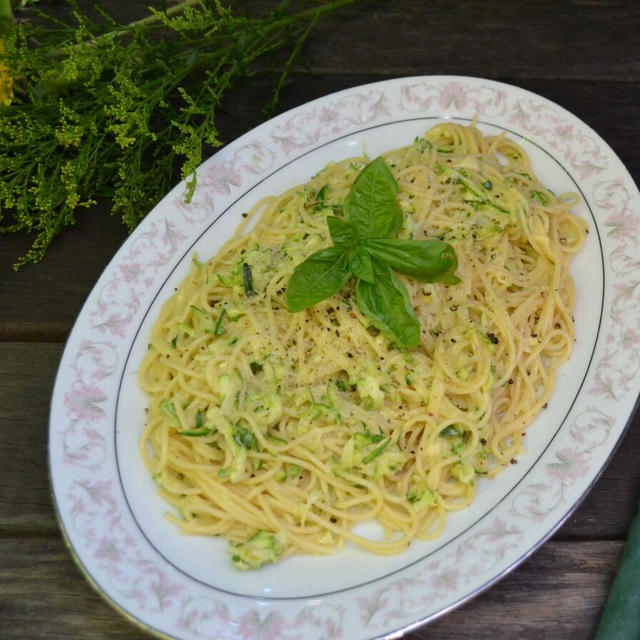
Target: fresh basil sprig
{"x": 386, "y": 303}
{"x": 366, "y": 247}
{"x": 321, "y": 275}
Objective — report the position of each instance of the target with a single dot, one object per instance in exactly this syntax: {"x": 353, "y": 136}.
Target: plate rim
{"x": 127, "y": 244}
{"x": 184, "y": 258}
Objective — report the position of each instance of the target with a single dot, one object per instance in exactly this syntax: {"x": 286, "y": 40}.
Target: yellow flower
{"x": 6, "y": 81}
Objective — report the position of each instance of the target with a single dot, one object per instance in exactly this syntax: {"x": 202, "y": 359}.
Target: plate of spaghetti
{"x": 360, "y": 376}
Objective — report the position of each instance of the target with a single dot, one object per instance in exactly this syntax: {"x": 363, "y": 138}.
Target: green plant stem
{"x": 6, "y": 14}
{"x": 128, "y": 96}
{"x": 126, "y": 30}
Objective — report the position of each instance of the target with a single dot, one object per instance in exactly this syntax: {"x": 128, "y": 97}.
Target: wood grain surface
{"x": 581, "y": 54}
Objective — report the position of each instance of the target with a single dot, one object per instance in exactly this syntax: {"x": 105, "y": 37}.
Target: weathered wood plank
{"x": 582, "y": 39}
{"x": 43, "y": 595}
{"x": 41, "y": 302}
{"x": 556, "y": 594}
{"x": 487, "y": 39}
{"x": 26, "y": 380}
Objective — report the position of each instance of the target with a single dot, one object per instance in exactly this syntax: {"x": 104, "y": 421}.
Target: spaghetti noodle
{"x": 283, "y": 432}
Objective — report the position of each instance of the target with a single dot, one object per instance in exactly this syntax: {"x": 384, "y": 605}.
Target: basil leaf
{"x": 386, "y": 303}
{"x": 343, "y": 233}
{"x": 321, "y": 275}
{"x": 361, "y": 265}
{"x": 365, "y": 246}
{"x": 425, "y": 260}
{"x": 371, "y": 204}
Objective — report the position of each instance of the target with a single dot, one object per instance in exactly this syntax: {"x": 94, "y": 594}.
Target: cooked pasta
{"x": 283, "y": 431}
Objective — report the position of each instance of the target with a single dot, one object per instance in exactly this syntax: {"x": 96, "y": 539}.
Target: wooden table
{"x": 581, "y": 54}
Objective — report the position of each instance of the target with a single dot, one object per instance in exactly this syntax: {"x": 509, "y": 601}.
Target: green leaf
{"x": 6, "y": 16}
{"x": 361, "y": 265}
{"x": 371, "y": 205}
{"x": 386, "y": 303}
{"x": 320, "y": 276}
{"x": 129, "y": 94}
{"x": 425, "y": 260}
{"x": 343, "y": 233}
{"x": 366, "y": 247}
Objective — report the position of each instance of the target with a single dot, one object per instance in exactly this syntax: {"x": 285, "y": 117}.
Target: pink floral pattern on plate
{"x": 105, "y": 536}
{"x": 149, "y": 251}
{"x": 83, "y": 441}
{"x": 453, "y": 96}
{"x": 561, "y": 135}
{"x": 418, "y": 589}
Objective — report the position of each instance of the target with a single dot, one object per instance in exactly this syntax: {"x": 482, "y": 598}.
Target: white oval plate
{"x": 183, "y": 587}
